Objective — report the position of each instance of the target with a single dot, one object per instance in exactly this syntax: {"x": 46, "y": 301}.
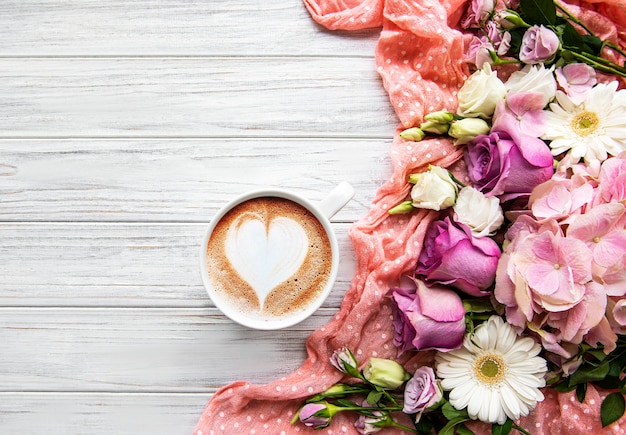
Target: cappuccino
{"x": 269, "y": 258}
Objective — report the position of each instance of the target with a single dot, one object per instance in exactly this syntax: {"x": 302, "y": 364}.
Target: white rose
{"x": 533, "y": 78}
{"x": 434, "y": 189}
{"x": 482, "y": 214}
{"x": 480, "y": 93}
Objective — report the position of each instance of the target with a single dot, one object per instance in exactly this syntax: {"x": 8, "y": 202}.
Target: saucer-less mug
{"x": 269, "y": 258}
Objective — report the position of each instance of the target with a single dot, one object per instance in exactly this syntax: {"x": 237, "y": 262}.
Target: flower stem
{"x": 397, "y": 425}
{"x": 599, "y": 63}
{"x": 576, "y": 21}
{"x": 521, "y": 429}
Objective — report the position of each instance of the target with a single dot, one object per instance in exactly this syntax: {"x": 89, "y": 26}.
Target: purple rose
{"x": 539, "y": 44}
{"x": 421, "y": 391}
{"x": 500, "y": 166}
{"x": 427, "y": 317}
{"x": 453, "y": 256}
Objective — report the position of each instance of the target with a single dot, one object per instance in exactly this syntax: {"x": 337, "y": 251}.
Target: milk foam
{"x": 266, "y": 255}
{"x": 268, "y": 258}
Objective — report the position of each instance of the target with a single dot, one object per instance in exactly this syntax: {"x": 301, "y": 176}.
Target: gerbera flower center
{"x": 489, "y": 368}
{"x": 585, "y": 123}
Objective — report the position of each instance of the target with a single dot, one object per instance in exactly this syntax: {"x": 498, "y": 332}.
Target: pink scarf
{"x": 419, "y": 58}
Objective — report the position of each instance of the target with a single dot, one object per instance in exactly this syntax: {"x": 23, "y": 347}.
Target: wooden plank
{"x": 188, "y": 97}
{"x": 156, "y": 180}
{"x": 172, "y": 27}
{"x": 142, "y": 350}
{"x": 100, "y": 413}
{"x": 111, "y": 265}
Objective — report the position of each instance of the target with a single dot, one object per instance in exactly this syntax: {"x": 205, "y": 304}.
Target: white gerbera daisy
{"x": 591, "y": 129}
{"x": 495, "y": 375}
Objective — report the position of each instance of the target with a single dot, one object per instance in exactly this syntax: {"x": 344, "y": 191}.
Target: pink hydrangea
{"x": 545, "y": 279}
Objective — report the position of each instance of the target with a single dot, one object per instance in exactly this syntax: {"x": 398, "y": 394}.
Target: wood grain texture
{"x": 240, "y": 97}
{"x": 117, "y": 265}
{"x": 174, "y": 180}
{"x": 142, "y": 350}
{"x": 124, "y": 126}
{"x": 171, "y": 27}
{"x": 100, "y": 413}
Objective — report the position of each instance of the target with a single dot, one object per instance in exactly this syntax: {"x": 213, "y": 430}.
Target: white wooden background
{"x": 124, "y": 126}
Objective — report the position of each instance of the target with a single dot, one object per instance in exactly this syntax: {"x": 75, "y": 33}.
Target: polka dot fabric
{"x": 417, "y": 57}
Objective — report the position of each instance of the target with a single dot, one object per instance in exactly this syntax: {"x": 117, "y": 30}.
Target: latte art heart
{"x": 265, "y": 255}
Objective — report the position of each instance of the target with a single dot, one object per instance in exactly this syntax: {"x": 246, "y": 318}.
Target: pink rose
{"x": 500, "y": 166}
{"x": 421, "y": 391}
{"x": 427, "y": 317}
{"x": 539, "y": 44}
{"x": 453, "y": 256}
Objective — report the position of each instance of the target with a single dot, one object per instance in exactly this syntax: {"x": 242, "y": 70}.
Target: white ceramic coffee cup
{"x": 323, "y": 211}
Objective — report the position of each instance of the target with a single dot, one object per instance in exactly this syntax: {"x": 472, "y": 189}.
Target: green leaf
{"x": 374, "y": 396}
{"x": 424, "y": 426}
{"x": 563, "y": 387}
{"x": 593, "y": 44}
{"x": 589, "y": 373}
{"x": 581, "y": 392}
{"x": 503, "y": 429}
{"x": 608, "y": 383}
{"x": 538, "y": 12}
{"x": 449, "y": 428}
{"x": 463, "y": 430}
{"x": 570, "y": 38}
{"x": 451, "y": 413}
{"x": 612, "y": 409}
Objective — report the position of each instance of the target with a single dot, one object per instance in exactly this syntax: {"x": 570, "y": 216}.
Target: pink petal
{"x": 440, "y": 303}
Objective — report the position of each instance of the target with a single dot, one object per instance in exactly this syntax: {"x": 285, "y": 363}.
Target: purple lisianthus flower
{"x": 500, "y": 166}
{"x": 315, "y": 415}
{"x": 373, "y": 422}
{"x": 421, "y": 391}
{"x": 539, "y": 44}
{"x": 427, "y": 317}
{"x": 343, "y": 360}
{"x": 453, "y": 256}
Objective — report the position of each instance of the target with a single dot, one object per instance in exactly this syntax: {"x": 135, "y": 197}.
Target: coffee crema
{"x": 269, "y": 257}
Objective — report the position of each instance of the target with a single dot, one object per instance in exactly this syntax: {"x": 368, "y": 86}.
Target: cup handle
{"x": 336, "y": 199}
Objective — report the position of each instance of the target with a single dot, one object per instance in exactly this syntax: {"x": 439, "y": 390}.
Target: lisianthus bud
{"x": 508, "y": 19}
{"x": 466, "y": 129}
{"x": 434, "y": 127}
{"x": 440, "y": 117}
{"x": 402, "y": 208}
{"x": 316, "y": 415}
{"x": 372, "y": 422}
{"x": 385, "y": 373}
{"x": 414, "y": 134}
{"x": 434, "y": 189}
{"x": 344, "y": 361}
